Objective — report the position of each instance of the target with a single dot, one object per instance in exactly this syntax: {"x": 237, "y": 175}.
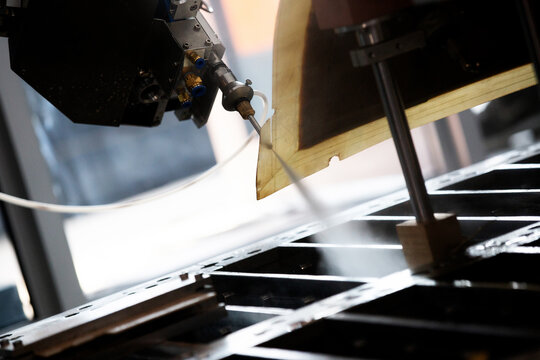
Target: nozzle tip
{"x": 255, "y": 124}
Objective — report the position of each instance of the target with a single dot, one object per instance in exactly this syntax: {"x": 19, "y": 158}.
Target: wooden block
{"x": 426, "y": 244}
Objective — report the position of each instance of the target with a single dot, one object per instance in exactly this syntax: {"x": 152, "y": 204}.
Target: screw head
{"x": 185, "y": 45}
{"x": 208, "y": 42}
{"x": 197, "y": 27}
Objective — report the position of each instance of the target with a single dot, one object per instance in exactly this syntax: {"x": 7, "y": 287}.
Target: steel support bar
{"x": 23, "y": 232}
{"x": 39, "y": 237}
{"x": 399, "y": 127}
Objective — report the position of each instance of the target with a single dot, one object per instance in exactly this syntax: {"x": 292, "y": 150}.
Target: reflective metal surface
{"x": 317, "y": 293}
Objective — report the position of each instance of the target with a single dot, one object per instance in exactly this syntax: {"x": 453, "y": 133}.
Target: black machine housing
{"x": 110, "y": 63}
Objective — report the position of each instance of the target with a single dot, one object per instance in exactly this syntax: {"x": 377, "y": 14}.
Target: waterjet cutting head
{"x": 236, "y": 95}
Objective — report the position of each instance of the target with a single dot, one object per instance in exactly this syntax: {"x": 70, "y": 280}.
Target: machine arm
{"x": 122, "y": 62}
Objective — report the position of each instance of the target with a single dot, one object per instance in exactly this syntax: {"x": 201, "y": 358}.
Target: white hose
{"x": 266, "y": 108}
{"x": 264, "y": 99}
{"x": 86, "y": 209}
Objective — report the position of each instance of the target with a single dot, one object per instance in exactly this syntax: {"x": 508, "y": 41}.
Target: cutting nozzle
{"x": 236, "y": 95}
{"x": 255, "y": 124}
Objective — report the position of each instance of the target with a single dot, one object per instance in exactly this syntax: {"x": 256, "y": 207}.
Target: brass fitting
{"x": 185, "y": 98}
{"x": 194, "y": 84}
{"x": 245, "y": 109}
{"x": 196, "y": 59}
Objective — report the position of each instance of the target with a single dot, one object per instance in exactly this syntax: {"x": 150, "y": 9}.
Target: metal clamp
{"x": 382, "y": 51}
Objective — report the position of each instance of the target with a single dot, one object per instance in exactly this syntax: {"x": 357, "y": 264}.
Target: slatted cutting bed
{"x": 300, "y": 295}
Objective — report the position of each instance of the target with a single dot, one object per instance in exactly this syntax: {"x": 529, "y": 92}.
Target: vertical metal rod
{"x": 397, "y": 120}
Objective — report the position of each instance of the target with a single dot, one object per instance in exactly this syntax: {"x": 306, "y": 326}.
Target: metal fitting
{"x": 196, "y": 59}
{"x": 245, "y": 109}
{"x": 194, "y": 84}
{"x": 234, "y": 92}
{"x": 185, "y": 98}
